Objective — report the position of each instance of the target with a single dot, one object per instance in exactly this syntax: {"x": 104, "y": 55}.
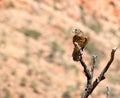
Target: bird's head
{"x": 77, "y": 31}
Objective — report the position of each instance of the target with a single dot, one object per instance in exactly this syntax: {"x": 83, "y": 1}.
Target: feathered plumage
{"x": 81, "y": 39}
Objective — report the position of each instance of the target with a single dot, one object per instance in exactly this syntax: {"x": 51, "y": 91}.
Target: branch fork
{"x": 91, "y": 85}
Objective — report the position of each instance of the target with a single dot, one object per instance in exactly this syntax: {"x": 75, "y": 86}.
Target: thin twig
{"x": 107, "y": 92}
{"x": 101, "y": 76}
{"x": 94, "y": 57}
{"x": 108, "y": 64}
{"x": 91, "y": 86}
{"x": 86, "y": 70}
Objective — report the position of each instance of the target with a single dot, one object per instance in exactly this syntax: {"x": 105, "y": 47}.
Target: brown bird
{"x": 81, "y": 39}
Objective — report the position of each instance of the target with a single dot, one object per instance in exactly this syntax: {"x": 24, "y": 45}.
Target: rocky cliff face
{"x": 36, "y": 47}
{"x": 108, "y": 9}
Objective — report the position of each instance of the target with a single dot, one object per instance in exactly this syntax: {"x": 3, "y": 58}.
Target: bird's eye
{"x": 75, "y": 30}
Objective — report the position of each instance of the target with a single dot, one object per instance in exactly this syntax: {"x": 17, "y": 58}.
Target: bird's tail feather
{"x": 75, "y": 54}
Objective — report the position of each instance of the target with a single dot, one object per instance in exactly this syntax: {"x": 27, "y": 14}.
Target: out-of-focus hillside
{"x": 36, "y": 47}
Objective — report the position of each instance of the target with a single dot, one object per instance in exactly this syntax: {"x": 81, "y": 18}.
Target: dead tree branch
{"x": 86, "y": 70}
{"x": 93, "y": 65}
{"x": 107, "y": 92}
{"x": 89, "y": 74}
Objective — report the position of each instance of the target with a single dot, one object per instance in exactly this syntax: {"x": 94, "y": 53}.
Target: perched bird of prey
{"x": 81, "y": 39}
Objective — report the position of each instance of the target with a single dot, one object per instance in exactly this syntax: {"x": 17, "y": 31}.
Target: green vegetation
{"x": 30, "y": 71}
{"x": 83, "y": 14}
{"x": 66, "y": 94}
{"x": 34, "y": 87}
{"x": 55, "y": 7}
{"x": 13, "y": 72}
{"x": 46, "y": 79}
{"x": 32, "y": 33}
{"x": 113, "y": 31}
{"x": 10, "y": 5}
{"x": 25, "y": 61}
{"x": 113, "y": 79}
{"x": 22, "y": 95}
{"x": 71, "y": 87}
{"x": 7, "y": 93}
{"x": 94, "y": 24}
{"x": 2, "y": 40}
{"x": 37, "y": 0}
{"x": 93, "y": 50}
{"x": 50, "y": 19}
{"x": 105, "y": 18}
{"x": 113, "y": 93}
{"x": 23, "y": 81}
{"x": 4, "y": 56}
{"x": 56, "y": 50}
{"x": 102, "y": 90}
{"x": 68, "y": 66}
{"x": 56, "y": 47}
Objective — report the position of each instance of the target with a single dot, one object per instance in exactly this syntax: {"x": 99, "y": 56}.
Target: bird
{"x": 81, "y": 40}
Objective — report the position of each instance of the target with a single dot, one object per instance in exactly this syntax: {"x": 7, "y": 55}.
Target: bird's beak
{"x": 74, "y": 31}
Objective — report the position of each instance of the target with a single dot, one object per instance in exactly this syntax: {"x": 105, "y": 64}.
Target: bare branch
{"x": 89, "y": 73}
{"x": 94, "y": 57}
{"x": 101, "y": 76}
{"x": 108, "y": 64}
{"x": 107, "y": 92}
{"x": 86, "y": 70}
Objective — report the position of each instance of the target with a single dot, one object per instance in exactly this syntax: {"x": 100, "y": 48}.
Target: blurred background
{"x": 36, "y": 47}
